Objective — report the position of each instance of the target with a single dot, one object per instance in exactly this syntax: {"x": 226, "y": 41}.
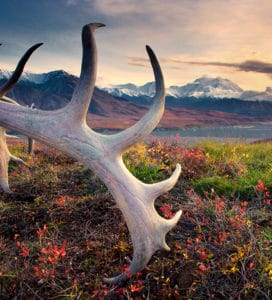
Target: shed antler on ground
{"x": 66, "y": 130}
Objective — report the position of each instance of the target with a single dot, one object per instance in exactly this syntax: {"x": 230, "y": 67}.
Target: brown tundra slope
{"x": 108, "y": 112}
{"x": 122, "y": 114}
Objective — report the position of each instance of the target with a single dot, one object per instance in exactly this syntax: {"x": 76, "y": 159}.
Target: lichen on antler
{"x": 66, "y": 129}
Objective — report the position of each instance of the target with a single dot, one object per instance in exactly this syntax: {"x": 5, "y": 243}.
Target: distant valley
{"x": 205, "y": 102}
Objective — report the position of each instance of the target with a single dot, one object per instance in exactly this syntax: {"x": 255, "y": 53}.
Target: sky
{"x": 191, "y": 38}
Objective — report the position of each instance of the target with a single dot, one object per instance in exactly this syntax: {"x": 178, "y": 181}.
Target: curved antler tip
{"x": 94, "y": 26}
{"x": 173, "y": 221}
{"x": 177, "y": 216}
{"x": 116, "y": 280}
{"x": 149, "y": 50}
{"x": 34, "y": 47}
{"x": 177, "y": 171}
{"x": 5, "y": 186}
{"x": 178, "y": 168}
{"x": 170, "y": 223}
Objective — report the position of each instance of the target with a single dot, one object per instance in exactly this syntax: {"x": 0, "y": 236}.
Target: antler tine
{"x": 149, "y": 121}
{"x": 147, "y": 228}
{"x": 8, "y": 100}
{"x": 5, "y": 157}
{"x": 18, "y": 71}
{"x": 4, "y": 162}
{"x": 78, "y": 107}
{"x": 159, "y": 188}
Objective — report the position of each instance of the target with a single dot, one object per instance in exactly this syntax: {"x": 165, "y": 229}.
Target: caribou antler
{"x": 5, "y": 155}
{"x": 66, "y": 129}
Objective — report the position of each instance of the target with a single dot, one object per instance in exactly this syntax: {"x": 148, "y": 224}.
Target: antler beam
{"x": 66, "y": 129}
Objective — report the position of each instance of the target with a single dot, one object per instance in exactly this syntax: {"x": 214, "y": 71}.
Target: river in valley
{"x": 249, "y": 133}
{"x": 192, "y": 135}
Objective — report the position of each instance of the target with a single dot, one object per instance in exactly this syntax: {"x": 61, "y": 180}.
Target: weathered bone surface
{"x": 5, "y": 155}
{"x": 66, "y": 129}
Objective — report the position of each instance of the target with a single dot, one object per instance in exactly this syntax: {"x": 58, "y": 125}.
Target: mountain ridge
{"x": 202, "y": 87}
{"x": 53, "y": 90}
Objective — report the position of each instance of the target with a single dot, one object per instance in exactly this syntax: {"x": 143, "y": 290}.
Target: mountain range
{"x": 203, "y": 87}
{"x": 204, "y": 102}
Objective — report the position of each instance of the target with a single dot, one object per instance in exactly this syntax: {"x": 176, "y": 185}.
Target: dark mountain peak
{"x": 57, "y": 73}
{"x": 37, "y": 78}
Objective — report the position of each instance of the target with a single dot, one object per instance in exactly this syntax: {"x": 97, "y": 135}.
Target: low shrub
{"x": 61, "y": 233}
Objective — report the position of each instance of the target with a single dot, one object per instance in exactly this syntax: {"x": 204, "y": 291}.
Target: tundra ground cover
{"x": 61, "y": 233}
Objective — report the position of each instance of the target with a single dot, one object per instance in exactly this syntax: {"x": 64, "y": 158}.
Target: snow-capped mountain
{"x": 34, "y": 77}
{"x": 207, "y": 87}
{"x": 200, "y": 88}
{"x": 53, "y": 90}
{"x": 131, "y": 90}
{"x": 47, "y": 91}
{"x": 203, "y": 87}
{"x": 4, "y": 74}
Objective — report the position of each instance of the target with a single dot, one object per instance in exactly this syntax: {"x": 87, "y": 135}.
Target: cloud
{"x": 182, "y": 33}
{"x": 246, "y": 66}
{"x": 145, "y": 62}
{"x": 256, "y": 66}
{"x": 71, "y": 2}
{"x": 138, "y": 61}
{"x": 118, "y": 7}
